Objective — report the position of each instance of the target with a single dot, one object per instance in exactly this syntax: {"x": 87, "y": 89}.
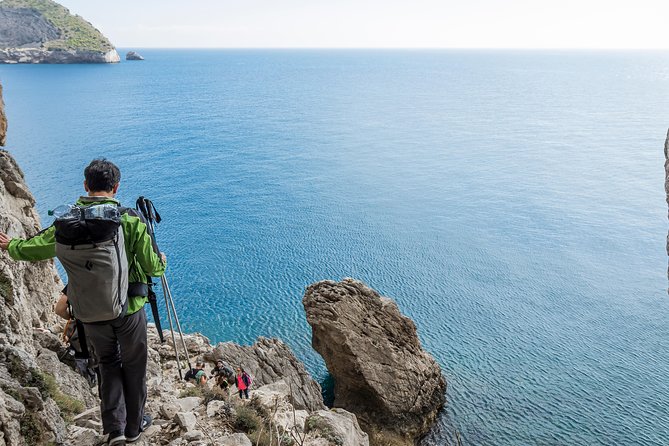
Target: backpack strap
{"x": 84, "y": 354}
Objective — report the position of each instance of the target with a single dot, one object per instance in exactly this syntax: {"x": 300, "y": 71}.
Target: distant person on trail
{"x": 97, "y": 239}
{"x": 197, "y": 374}
{"x": 223, "y": 374}
{"x": 243, "y": 382}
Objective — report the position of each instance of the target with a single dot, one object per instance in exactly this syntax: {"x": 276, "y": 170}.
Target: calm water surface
{"x": 511, "y": 202}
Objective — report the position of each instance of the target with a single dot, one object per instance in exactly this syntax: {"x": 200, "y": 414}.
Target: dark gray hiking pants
{"x": 121, "y": 349}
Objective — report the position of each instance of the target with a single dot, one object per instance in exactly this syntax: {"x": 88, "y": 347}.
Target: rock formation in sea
{"x": 43, "y": 31}
{"x": 666, "y": 185}
{"x": 133, "y": 55}
{"x": 380, "y": 370}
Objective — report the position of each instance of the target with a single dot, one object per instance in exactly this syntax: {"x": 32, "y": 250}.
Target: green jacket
{"x": 142, "y": 260}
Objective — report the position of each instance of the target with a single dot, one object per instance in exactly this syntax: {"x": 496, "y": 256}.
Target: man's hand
{"x": 163, "y": 258}
{"x": 4, "y": 241}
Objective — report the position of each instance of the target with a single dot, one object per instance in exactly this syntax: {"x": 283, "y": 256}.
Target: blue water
{"x": 511, "y": 202}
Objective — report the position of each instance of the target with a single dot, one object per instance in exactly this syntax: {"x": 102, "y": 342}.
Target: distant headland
{"x": 43, "y": 31}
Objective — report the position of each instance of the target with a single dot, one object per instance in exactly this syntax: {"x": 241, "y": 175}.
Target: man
{"x": 120, "y": 344}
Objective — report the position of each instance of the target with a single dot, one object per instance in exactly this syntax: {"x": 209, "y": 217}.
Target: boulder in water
{"x": 381, "y": 372}
{"x": 133, "y": 55}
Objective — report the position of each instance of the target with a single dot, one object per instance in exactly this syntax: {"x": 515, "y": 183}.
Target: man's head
{"x": 102, "y": 177}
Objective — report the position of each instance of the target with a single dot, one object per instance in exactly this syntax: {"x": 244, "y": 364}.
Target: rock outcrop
{"x": 133, "y": 55}
{"x": 666, "y": 185}
{"x": 39, "y": 55}
{"x": 270, "y": 360}
{"x": 3, "y": 120}
{"x": 43, "y": 31}
{"x": 381, "y": 372}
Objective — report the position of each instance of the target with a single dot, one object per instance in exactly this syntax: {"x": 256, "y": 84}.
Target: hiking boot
{"x": 116, "y": 438}
{"x": 146, "y": 422}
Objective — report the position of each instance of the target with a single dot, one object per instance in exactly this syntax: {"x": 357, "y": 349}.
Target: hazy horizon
{"x": 373, "y": 24}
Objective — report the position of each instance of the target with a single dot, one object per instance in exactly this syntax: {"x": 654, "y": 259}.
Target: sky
{"x": 578, "y": 24}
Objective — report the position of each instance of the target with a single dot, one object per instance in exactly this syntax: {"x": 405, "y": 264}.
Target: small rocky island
{"x": 133, "y": 55}
{"x": 43, "y": 31}
{"x": 388, "y": 390}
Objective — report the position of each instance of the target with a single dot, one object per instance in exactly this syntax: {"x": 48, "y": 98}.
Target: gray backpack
{"x": 91, "y": 247}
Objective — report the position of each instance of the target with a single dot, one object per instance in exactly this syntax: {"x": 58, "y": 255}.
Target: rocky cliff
{"x": 42, "y": 31}
{"x": 381, "y": 372}
{"x": 36, "y": 388}
{"x": 666, "y": 184}
{"x": 3, "y": 120}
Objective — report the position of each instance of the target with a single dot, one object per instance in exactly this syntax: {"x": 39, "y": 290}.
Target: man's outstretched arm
{"x": 40, "y": 247}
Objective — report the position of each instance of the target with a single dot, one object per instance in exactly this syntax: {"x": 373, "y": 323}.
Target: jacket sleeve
{"x": 143, "y": 249}
{"x": 40, "y": 247}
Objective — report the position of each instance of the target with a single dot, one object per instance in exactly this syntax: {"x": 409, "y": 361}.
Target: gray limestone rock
{"x": 133, "y": 55}
{"x": 216, "y": 407}
{"x": 381, "y": 372}
{"x": 268, "y": 361}
{"x": 186, "y": 420}
{"x": 188, "y": 404}
{"x": 3, "y": 120}
{"x": 236, "y": 440}
{"x": 339, "y": 426}
{"x": 59, "y": 56}
{"x": 193, "y": 436}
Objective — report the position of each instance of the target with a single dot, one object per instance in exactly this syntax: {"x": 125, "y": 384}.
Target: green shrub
{"x": 246, "y": 419}
{"x": 191, "y": 391}
{"x": 31, "y": 429}
{"x": 215, "y": 393}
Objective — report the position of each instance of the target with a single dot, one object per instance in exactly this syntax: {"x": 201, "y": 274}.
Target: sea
{"x": 511, "y": 202}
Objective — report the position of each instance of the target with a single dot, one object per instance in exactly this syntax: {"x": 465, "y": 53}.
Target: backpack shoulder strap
{"x": 130, "y": 211}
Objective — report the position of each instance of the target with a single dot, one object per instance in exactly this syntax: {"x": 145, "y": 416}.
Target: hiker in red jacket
{"x": 243, "y": 382}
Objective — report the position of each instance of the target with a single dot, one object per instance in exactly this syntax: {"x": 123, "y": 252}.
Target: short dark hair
{"x": 102, "y": 175}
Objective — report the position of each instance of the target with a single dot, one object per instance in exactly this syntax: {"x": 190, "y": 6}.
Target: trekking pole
{"x": 145, "y": 206}
{"x": 149, "y": 217}
{"x": 166, "y": 288}
{"x": 154, "y": 215}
